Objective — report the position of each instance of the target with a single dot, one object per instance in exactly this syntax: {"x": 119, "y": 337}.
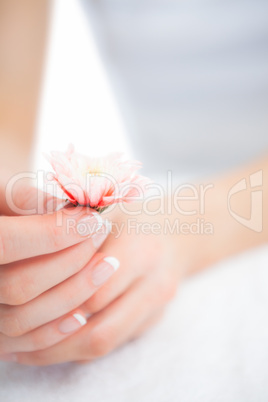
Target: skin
{"x": 134, "y": 297}
{"x": 46, "y": 271}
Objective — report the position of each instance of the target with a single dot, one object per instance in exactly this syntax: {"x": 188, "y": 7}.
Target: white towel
{"x": 212, "y": 345}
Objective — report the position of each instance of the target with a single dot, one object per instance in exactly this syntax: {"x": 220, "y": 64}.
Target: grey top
{"x": 190, "y": 77}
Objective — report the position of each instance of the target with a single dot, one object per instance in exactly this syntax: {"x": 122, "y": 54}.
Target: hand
{"x": 152, "y": 265}
{"x": 22, "y": 197}
{"x": 48, "y": 268}
{"x": 130, "y": 302}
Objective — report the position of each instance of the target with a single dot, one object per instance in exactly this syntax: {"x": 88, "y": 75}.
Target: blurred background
{"x": 77, "y": 103}
{"x": 180, "y": 84}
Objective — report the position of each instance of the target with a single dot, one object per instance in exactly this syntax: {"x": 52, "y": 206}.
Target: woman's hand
{"x": 48, "y": 268}
{"x": 129, "y": 303}
{"x": 153, "y": 261}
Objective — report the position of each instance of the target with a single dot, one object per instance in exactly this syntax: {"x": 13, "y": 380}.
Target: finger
{"x": 130, "y": 271}
{"x": 61, "y": 299}
{"x": 114, "y": 288}
{"x": 28, "y": 236}
{"x": 25, "y": 280}
{"x": 27, "y": 199}
{"x": 144, "y": 327}
{"x": 104, "y": 331}
{"x": 45, "y": 336}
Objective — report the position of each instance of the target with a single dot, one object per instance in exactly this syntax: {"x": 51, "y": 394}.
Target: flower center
{"x": 93, "y": 172}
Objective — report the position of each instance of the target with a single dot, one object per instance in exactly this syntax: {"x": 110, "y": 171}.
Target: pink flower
{"x": 96, "y": 182}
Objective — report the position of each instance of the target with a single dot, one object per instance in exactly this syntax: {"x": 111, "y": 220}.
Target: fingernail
{"x": 104, "y": 270}
{"x": 89, "y": 224}
{"x": 9, "y": 357}
{"x": 99, "y": 237}
{"x": 72, "y": 323}
{"x": 54, "y": 206}
{"x": 60, "y": 206}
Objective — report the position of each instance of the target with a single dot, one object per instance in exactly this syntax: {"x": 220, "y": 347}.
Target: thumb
{"x": 26, "y": 199}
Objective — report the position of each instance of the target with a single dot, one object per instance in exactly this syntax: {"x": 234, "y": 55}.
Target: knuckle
{"x": 10, "y": 323}
{"x": 74, "y": 294}
{"x": 102, "y": 341}
{"x": 22, "y": 294}
{"x": 78, "y": 260}
{"x": 97, "y": 302}
{"x": 12, "y": 292}
{"x": 6, "y": 287}
{"x": 24, "y": 290}
{"x": 53, "y": 233}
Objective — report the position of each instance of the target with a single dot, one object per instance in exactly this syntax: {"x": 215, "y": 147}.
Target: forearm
{"x": 228, "y": 227}
{"x": 23, "y": 28}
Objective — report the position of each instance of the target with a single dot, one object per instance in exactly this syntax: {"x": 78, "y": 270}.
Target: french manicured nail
{"x": 72, "y": 323}
{"x": 8, "y": 357}
{"x": 60, "y": 206}
{"x": 54, "y": 206}
{"x": 104, "y": 270}
{"x": 89, "y": 224}
{"x": 99, "y": 237}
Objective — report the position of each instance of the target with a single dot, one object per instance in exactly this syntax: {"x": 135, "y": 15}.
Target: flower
{"x": 96, "y": 182}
